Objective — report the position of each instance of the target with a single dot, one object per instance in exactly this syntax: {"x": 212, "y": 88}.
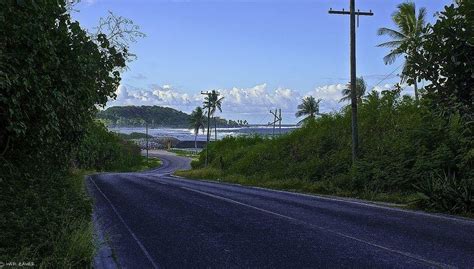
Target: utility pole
{"x": 208, "y": 126}
{"x": 146, "y": 126}
{"x": 353, "y": 13}
{"x": 279, "y": 116}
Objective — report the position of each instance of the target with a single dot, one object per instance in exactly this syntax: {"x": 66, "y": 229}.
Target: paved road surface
{"x": 155, "y": 220}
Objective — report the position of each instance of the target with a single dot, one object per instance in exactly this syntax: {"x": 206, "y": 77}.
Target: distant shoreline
{"x": 212, "y": 127}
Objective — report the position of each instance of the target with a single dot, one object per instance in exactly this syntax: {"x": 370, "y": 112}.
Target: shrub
{"x": 402, "y": 143}
{"x": 447, "y": 193}
{"x": 103, "y": 150}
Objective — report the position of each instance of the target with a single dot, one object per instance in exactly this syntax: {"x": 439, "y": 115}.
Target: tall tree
{"x": 196, "y": 122}
{"x": 53, "y": 77}
{"x": 213, "y": 103}
{"x": 309, "y": 107}
{"x": 361, "y": 88}
{"x": 406, "y": 38}
{"x": 445, "y": 59}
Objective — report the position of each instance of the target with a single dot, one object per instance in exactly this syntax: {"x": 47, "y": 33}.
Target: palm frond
{"x": 392, "y": 33}
{"x": 361, "y": 88}
{"x": 300, "y": 113}
{"x": 405, "y": 17}
{"x": 391, "y": 44}
{"x": 391, "y": 57}
{"x": 421, "y": 20}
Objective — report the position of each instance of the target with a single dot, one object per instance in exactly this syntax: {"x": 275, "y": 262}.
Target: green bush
{"x": 103, "y": 150}
{"x": 447, "y": 193}
{"x": 53, "y": 76}
{"x": 402, "y": 143}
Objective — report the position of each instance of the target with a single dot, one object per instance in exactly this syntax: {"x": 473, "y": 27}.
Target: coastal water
{"x": 188, "y": 134}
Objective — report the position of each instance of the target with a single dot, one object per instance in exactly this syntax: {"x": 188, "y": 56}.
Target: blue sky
{"x": 260, "y": 54}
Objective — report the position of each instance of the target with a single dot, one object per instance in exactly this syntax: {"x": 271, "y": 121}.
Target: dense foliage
{"x": 445, "y": 59}
{"x": 53, "y": 76}
{"x": 407, "y": 147}
{"x": 155, "y": 116}
{"x": 103, "y": 150}
{"x": 404, "y": 147}
{"x": 138, "y": 116}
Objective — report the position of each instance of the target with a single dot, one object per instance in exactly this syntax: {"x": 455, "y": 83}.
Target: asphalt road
{"x": 154, "y": 220}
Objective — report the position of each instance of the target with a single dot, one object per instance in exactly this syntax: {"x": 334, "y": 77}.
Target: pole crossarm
{"x": 357, "y": 13}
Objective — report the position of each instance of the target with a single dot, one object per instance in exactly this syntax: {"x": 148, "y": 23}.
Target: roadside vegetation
{"x": 53, "y": 77}
{"x": 185, "y": 153}
{"x": 412, "y": 150}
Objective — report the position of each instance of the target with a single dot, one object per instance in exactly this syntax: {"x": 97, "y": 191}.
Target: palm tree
{"x": 196, "y": 122}
{"x": 213, "y": 103}
{"x": 309, "y": 107}
{"x": 406, "y": 39}
{"x": 361, "y": 87}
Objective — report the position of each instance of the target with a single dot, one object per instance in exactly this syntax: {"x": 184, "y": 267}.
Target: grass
{"x": 185, "y": 153}
{"x": 297, "y": 185}
{"x": 74, "y": 245}
{"x": 144, "y": 165}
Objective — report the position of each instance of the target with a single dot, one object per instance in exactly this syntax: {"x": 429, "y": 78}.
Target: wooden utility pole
{"x": 279, "y": 116}
{"x": 353, "y": 13}
{"x": 146, "y": 126}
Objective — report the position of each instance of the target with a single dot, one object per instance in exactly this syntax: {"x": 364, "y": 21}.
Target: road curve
{"x": 155, "y": 220}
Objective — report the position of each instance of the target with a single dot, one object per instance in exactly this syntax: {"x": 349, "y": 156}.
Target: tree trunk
{"x": 415, "y": 86}
{"x": 208, "y": 134}
{"x": 215, "y": 129}
{"x": 195, "y": 141}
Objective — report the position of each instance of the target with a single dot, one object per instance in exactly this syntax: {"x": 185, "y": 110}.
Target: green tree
{"x": 212, "y": 102}
{"x": 309, "y": 107}
{"x": 196, "y": 122}
{"x": 361, "y": 88}
{"x": 445, "y": 61}
{"x": 406, "y": 39}
{"x": 53, "y": 76}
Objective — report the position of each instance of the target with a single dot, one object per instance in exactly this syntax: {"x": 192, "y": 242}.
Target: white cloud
{"x": 382, "y": 88}
{"x": 155, "y": 95}
{"x": 252, "y": 104}
{"x": 330, "y": 95}
{"x": 259, "y": 98}
{"x": 328, "y": 92}
{"x": 239, "y": 103}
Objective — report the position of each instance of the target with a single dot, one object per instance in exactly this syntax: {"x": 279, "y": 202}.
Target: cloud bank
{"x": 252, "y": 104}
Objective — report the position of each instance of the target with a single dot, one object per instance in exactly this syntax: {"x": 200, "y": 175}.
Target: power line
{"x": 387, "y": 76}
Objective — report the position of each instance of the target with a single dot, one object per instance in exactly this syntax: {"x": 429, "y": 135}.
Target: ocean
{"x": 183, "y": 134}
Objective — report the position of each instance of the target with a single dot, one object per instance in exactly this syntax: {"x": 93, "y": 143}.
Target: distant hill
{"x": 156, "y": 116}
